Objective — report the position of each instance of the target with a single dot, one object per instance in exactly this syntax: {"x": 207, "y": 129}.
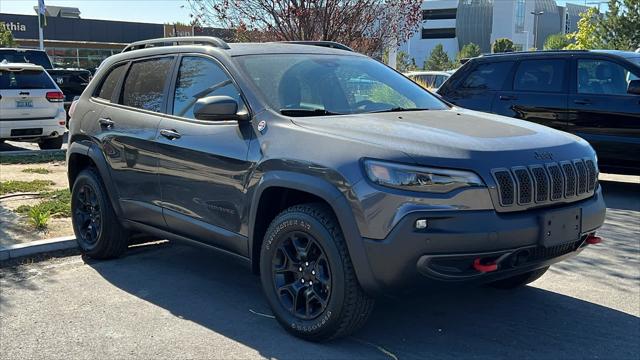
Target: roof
{"x": 546, "y": 53}
{"x": 412, "y": 73}
{"x": 239, "y": 49}
{"x": 19, "y": 66}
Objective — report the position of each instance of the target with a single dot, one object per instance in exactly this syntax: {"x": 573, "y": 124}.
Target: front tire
{"x": 98, "y": 232}
{"x": 517, "y": 281}
{"x": 308, "y": 277}
{"x": 51, "y": 143}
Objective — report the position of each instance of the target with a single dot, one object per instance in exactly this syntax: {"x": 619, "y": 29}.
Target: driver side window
{"x": 199, "y": 77}
{"x": 602, "y": 77}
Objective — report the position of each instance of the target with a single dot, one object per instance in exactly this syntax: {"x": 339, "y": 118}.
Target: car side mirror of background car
{"x": 218, "y": 108}
{"x": 634, "y": 87}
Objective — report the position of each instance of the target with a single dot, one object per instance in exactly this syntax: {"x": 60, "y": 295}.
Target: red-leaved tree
{"x": 369, "y": 26}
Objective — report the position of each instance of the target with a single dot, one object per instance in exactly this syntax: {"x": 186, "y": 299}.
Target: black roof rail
{"x": 172, "y": 41}
{"x": 322, "y": 43}
{"x": 533, "y": 52}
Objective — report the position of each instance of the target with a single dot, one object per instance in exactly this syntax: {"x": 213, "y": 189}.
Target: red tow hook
{"x": 592, "y": 240}
{"x": 484, "y": 268}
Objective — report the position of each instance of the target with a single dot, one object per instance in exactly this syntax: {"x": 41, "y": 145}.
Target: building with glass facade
{"x": 73, "y": 42}
{"x": 455, "y": 23}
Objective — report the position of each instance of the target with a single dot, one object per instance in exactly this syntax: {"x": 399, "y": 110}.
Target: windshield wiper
{"x": 396, "y": 109}
{"x": 307, "y": 112}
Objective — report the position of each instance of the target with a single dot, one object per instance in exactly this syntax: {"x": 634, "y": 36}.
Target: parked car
{"x": 431, "y": 80}
{"x": 265, "y": 152}
{"x": 592, "y": 94}
{"x": 72, "y": 82}
{"x": 30, "y": 106}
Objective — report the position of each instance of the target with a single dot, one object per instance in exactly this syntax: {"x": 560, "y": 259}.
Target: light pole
{"x": 536, "y": 14}
{"x": 526, "y": 34}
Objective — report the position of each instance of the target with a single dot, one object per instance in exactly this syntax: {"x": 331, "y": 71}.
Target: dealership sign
{"x": 14, "y": 26}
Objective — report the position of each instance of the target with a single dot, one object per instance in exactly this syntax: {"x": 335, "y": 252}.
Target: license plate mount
{"x": 560, "y": 227}
{"x": 21, "y": 104}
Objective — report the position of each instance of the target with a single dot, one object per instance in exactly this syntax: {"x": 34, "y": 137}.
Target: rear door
{"x": 23, "y": 95}
{"x": 603, "y": 113}
{"x": 203, "y": 164}
{"x": 127, "y": 128}
{"x": 476, "y": 88}
{"x": 538, "y": 93}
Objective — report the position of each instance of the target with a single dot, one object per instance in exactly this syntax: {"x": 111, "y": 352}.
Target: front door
{"x": 604, "y": 114}
{"x": 203, "y": 165}
{"x": 538, "y": 93}
{"x": 476, "y": 90}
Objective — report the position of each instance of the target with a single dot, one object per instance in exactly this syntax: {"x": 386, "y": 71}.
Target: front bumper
{"x": 445, "y": 250}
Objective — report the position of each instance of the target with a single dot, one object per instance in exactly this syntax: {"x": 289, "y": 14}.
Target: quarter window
{"x": 198, "y": 78}
{"x": 110, "y": 82}
{"x": 145, "y": 83}
{"x": 490, "y": 76}
{"x": 539, "y": 76}
{"x": 603, "y": 77}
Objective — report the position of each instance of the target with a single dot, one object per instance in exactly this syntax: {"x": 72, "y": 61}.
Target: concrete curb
{"x": 37, "y": 247}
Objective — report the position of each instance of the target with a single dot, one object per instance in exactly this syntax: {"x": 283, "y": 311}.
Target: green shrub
{"x": 39, "y": 218}
{"x": 16, "y": 186}
{"x": 57, "y": 204}
{"x": 36, "y": 171}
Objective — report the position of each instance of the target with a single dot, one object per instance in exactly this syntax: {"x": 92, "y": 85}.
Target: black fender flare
{"x": 336, "y": 200}
{"x": 91, "y": 150}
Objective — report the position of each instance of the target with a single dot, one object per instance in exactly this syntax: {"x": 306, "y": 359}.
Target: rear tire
{"x": 98, "y": 232}
{"x": 329, "y": 303}
{"x": 517, "y": 281}
{"x": 51, "y": 143}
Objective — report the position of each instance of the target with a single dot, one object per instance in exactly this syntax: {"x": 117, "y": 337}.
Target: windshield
{"x": 28, "y": 56}
{"x": 308, "y": 85}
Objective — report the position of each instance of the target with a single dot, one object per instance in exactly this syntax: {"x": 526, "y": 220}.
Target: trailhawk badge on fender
{"x": 262, "y": 125}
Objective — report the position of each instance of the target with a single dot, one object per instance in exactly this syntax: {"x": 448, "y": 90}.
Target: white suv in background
{"x": 31, "y": 106}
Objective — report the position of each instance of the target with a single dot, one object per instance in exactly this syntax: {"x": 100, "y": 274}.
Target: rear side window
{"x": 110, "y": 82}
{"x": 540, "y": 76}
{"x": 26, "y": 79}
{"x": 144, "y": 85}
{"x": 488, "y": 76}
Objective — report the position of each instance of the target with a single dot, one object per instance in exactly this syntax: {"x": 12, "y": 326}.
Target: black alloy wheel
{"x": 301, "y": 275}
{"x": 87, "y": 214}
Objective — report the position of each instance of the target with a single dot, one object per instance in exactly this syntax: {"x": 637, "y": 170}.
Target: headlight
{"x": 417, "y": 178}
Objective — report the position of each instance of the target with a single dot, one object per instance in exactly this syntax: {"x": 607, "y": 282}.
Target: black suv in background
{"x": 592, "y": 94}
{"x": 335, "y": 177}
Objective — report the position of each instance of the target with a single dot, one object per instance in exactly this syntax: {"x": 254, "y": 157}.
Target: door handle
{"x": 508, "y": 97}
{"x": 106, "y": 122}
{"x": 170, "y": 134}
{"x": 582, "y": 102}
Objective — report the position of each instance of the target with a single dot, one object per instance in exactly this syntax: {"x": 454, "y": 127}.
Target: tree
{"x": 368, "y": 26}
{"x": 468, "y": 51}
{"x": 6, "y": 37}
{"x": 403, "y": 62}
{"x": 618, "y": 29}
{"x": 438, "y": 60}
{"x": 502, "y": 45}
{"x": 557, "y": 42}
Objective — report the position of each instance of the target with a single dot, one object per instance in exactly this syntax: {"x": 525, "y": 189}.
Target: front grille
{"x": 546, "y": 183}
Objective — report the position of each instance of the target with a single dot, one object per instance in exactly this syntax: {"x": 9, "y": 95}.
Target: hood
{"x": 456, "y": 134}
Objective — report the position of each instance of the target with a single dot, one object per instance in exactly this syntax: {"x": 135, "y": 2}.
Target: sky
{"x": 150, "y": 11}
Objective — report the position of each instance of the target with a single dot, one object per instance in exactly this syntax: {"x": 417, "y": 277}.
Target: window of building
{"x": 540, "y": 76}
{"x": 198, "y": 78}
{"x": 603, "y": 77}
{"x": 109, "y": 84}
{"x": 520, "y": 14}
{"x": 439, "y": 14}
{"x": 448, "y": 33}
{"x": 144, "y": 86}
{"x": 82, "y": 58}
{"x": 490, "y": 76}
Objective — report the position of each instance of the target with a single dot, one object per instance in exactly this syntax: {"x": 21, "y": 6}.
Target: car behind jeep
{"x": 334, "y": 177}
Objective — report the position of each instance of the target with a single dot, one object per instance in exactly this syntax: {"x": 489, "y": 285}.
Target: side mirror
{"x": 634, "y": 87}
{"x": 218, "y": 108}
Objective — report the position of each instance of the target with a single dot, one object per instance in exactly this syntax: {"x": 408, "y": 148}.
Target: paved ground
{"x": 174, "y": 301}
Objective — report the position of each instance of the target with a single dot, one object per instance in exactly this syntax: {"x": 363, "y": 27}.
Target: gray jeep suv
{"x": 336, "y": 178}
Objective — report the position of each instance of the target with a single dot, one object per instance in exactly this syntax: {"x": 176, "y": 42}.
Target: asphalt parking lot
{"x": 175, "y": 301}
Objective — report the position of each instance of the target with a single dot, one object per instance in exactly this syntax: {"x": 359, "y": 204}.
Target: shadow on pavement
{"x": 22, "y": 146}
{"x": 219, "y": 293}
